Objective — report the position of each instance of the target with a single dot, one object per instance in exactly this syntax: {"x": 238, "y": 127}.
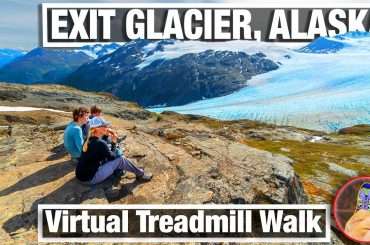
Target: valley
{"x": 194, "y": 159}
{"x": 320, "y": 86}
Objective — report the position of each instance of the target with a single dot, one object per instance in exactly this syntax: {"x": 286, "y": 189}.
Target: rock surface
{"x": 36, "y": 170}
{"x": 65, "y": 99}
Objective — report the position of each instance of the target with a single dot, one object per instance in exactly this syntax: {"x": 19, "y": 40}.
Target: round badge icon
{"x": 351, "y": 209}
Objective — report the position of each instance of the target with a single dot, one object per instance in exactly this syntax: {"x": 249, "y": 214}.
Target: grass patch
{"x": 311, "y": 159}
{"x": 242, "y": 124}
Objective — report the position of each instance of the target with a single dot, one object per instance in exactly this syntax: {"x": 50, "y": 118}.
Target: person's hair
{"x": 79, "y": 112}
{"x": 95, "y": 109}
{"x": 84, "y": 147}
{"x": 91, "y": 133}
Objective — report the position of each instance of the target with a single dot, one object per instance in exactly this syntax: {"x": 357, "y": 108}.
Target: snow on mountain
{"x": 311, "y": 90}
{"x": 176, "y": 48}
{"x": 178, "y": 80}
{"x": 25, "y": 108}
{"x": 98, "y": 50}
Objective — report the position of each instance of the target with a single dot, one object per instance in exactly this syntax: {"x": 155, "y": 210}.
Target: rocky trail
{"x": 193, "y": 159}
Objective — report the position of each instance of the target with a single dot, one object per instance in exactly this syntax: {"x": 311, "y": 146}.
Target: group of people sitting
{"x": 94, "y": 147}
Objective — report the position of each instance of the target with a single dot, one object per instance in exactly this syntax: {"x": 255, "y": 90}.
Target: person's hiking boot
{"x": 119, "y": 173}
{"x": 113, "y": 192}
{"x": 145, "y": 177}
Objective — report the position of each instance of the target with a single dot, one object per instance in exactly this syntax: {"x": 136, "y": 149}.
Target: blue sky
{"x": 19, "y": 18}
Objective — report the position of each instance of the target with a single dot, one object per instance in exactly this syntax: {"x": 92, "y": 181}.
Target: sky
{"x": 19, "y": 20}
{"x": 19, "y": 26}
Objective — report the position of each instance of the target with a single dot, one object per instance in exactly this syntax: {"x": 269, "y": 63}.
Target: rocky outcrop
{"x": 190, "y": 163}
{"x": 188, "y": 166}
{"x": 194, "y": 159}
{"x": 65, "y": 99}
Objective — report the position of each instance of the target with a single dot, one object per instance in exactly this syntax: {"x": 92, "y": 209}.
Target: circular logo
{"x": 351, "y": 209}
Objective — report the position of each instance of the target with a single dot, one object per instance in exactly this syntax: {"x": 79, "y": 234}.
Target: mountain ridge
{"x": 340, "y": 42}
{"x": 8, "y": 55}
{"x": 45, "y": 65}
{"x": 42, "y": 65}
{"x": 175, "y": 81}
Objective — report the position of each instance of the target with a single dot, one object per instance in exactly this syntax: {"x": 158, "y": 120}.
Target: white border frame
{"x": 254, "y": 4}
{"x": 185, "y": 206}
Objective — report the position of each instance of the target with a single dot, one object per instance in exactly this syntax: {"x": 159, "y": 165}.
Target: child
{"x": 111, "y": 137}
{"x": 95, "y": 111}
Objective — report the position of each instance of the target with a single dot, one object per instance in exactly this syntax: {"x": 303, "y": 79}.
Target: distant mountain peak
{"x": 8, "y": 55}
{"x": 10, "y": 51}
{"x": 325, "y": 45}
{"x": 98, "y": 50}
{"x": 353, "y": 35}
{"x": 43, "y": 65}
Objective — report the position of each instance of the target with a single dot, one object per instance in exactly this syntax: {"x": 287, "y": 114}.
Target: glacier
{"x": 313, "y": 90}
